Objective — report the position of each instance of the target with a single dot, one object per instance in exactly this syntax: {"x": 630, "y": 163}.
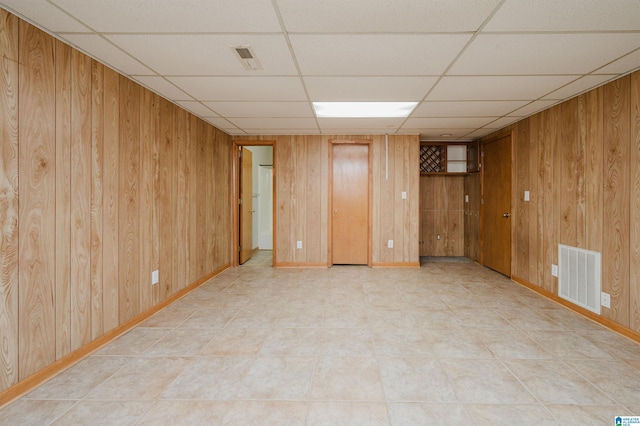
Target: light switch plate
{"x": 526, "y": 195}
{"x": 155, "y": 277}
{"x": 299, "y": 244}
{"x": 554, "y": 270}
{"x": 404, "y": 195}
{"x": 390, "y": 243}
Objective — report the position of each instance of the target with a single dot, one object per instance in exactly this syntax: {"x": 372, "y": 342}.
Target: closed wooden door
{"x": 496, "y": 207}
{"x": 350, "y": 204}
{"x": 246, "y": 205}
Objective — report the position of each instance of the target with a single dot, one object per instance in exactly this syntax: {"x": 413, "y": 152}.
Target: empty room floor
{"x": 447, "y": 343}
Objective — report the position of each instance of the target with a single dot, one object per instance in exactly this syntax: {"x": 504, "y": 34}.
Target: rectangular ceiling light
{"x": 363, "y": 109}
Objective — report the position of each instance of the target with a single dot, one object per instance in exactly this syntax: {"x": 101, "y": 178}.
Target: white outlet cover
{"x": 404, "y": 195}
{"x": 554, "y": 270}
{"x": 299, "y": 244}
{"x": 605, "y": 299}
{"x": 390, "y": 243}
{"x": 526, "y": 195}
{"x": 155, "y": 277}
{"x": 466, "y": 198}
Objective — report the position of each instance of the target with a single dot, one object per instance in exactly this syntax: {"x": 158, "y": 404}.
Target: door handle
{"x": 335, "y": 211}
{"x": 506, "y": 215}
{"x": 252, "y": 211}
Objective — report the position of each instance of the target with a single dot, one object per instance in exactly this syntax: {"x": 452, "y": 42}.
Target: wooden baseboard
{"x": 614, "y": 326}
{"x": 299, "y": 265}
{"x": 26, "y": 385}
{"x": 395, "y": 265}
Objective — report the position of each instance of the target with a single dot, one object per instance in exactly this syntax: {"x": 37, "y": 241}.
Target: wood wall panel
{"x": 37, "y": 165}
{"x": 584, "y": 180}
{"x": 442, "y": 204}
{"x": 81, "y": 178}
{"x": 520, "y": 263}
{"x": 77, "y": 251}
{"x": 617, "y": 144}
{"x": 111, "y": 202}
{"x": 148, "y": 102}
{"x": 180, "y": 236}
{"x": 301, "y": 160}
{"x": 472, "y": 217}
{"x": 9, "y": 72}
{"x": 201, "y": 208}
{"x": 63, "y": 199}
{"x": 594, "y": 170}
{"x": 129, "y": 203}
{"x": 634, "y": 278}
{"x": 97, "y": 160}
{"x": 165, "y": 197}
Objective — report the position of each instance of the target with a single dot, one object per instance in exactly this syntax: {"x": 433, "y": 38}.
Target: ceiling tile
{"x": 204, "y": 54}
{"x": 274, "y": 123}
{"x": 44, "y": 15}
{"x": 105, "y": 52}
{"x": 360, "y": 123}
{"x": 466, "y": 109}
{"x": 622, "y": 65}
{"x": 436, "y": 134}
{"x": 504, "y": 54}
{"x": 580, "y": 85}
{"x": 496, "y": 88}
{"x": 242, "y": 88}
{"x": 339, "y": 16}
{"x": 440, "y": 122}
{"x": 370, "y": 130}
{"x": 479, "y": 133}
{"x": 222, "y": 124}
{"x": 362, "y": 89}
{"x": 261, "y": 109}
{"x": 164, "y": 16}
{"x": 390, "y": 54}
{"x": 532, "y": 108}
{"x": 283, "y": 131}
{"x": 566, "y": 15}
{"x": 162, "y": 87}
{"x": 196, "y": 108}
{"x": 502, "y": 122}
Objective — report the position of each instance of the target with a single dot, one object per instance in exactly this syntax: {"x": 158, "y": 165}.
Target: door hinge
{"x": 240, "y": 201}
{"x": 239, "y": 248}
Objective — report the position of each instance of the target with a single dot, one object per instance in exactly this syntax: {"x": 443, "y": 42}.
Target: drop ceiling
{"x": 474, "y": 66}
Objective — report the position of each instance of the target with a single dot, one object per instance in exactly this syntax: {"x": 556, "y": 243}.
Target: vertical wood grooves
{"x": 9, "y": 72}
{"x": 37, "y": 116}
{"x": 634, "y": 290}
{"x": 63, "y": 199}
{"x": 83, "y": 161}
{"x": 616, "y": 198}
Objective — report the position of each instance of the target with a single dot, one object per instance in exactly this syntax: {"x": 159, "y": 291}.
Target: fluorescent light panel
{"x": 363, "y": 109}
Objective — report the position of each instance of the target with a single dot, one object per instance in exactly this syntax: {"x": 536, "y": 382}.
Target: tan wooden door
{"x": 246, "y": 205}
{"x": 350, "y": 204}
{"x": 496, "y": 207}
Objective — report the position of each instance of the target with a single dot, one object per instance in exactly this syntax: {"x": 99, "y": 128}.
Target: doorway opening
{"x": 253, "y": 189}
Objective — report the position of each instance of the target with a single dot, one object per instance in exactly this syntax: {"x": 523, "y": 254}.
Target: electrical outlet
{"x": 155, "y": 277}
{"x": 466, "y": 198}
{"x": 605, "y": 300}
{"x": 438, "y": 237}
{"x": 404, "y": 195}
{"x": 554, "y": 270}
{"x": 390, "y": 243}
{"x": 299, "y": 244}
{"x": 526, "y": 196}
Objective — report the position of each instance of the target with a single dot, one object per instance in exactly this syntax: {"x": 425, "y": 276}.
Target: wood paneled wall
{"x": 301, "y": 175}
{"x": 101, "y": 182}
{"x": 442, "y": 212}
{"x": 472, "y": 189}
{"x": 580, "y": 162}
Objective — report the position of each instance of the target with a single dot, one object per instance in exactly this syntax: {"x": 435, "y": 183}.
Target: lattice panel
{"x": 432, "y": 158}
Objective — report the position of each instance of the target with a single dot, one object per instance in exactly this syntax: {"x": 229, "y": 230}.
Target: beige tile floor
{"x": 448, "y": 343}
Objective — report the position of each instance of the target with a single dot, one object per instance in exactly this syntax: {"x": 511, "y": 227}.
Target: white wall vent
{"x": 579, "y": 277}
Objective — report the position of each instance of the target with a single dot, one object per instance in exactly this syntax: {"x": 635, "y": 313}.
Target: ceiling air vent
{"x": 247, "y": 58}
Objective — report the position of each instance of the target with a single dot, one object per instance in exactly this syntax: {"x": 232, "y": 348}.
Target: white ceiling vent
{"x": 247, "y": 58}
